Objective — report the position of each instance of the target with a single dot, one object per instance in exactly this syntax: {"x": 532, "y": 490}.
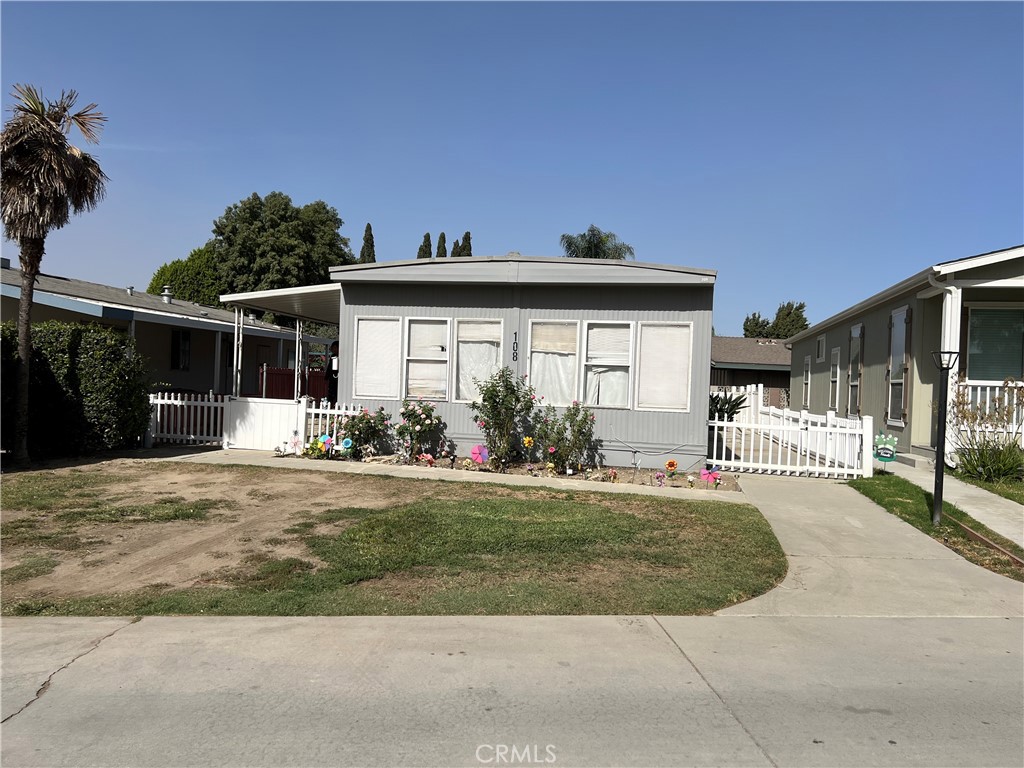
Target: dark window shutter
{"x": 906, "y": 364}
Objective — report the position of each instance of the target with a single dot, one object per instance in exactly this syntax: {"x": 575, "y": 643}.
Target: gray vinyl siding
{"x": 664, "y": 434}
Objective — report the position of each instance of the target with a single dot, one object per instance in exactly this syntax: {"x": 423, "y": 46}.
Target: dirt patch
{"x": 250, "y": 511}
{"x": 114, "y": 529}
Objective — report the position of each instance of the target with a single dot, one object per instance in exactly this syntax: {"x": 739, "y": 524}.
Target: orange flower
{"x": 671, "y": 465}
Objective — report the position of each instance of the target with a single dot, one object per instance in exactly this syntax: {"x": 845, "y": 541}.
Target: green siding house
{"x": 875, "y": 358}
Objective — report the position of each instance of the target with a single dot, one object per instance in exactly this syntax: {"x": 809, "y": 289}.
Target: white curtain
{"x": 553, "y": 361}
{"x": 607, "y": 386}
{"x": 477, "y": 360}
{"x": 607, "y": 371}
{"x": 553, "y": 375}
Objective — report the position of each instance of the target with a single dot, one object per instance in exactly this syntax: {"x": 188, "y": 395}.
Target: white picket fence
{"x": 186, "y": 419}
{"x": 255, "y": 423}
{"x": 779, "y": 441}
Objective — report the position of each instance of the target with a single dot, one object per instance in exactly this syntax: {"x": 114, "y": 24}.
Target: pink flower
{"x": 551, "y": 449}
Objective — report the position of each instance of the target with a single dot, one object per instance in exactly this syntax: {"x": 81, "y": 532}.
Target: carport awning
{"x": 319, "y": 303}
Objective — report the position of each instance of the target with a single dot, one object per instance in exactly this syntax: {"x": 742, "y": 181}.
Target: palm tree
{"x": 45, "y": 180}
{"x": 595, "y": 244}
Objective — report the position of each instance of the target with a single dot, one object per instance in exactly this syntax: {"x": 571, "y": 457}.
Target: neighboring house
{"x": 631, "y": 340}
{"x": 738, "y": 362}
{"x": 875, "y": 358}
{"x": 189, "y": 346}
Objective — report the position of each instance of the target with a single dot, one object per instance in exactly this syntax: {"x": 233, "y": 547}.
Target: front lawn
{"x": 291, "y": 542}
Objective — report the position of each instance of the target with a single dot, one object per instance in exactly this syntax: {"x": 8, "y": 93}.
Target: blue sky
{"x": 817, "y": 152}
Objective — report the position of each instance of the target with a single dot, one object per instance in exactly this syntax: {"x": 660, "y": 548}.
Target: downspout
{"x": 949, "y": 341}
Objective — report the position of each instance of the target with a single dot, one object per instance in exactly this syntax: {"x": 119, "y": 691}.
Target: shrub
{"x": 421, "y": 430}
{"x": 725, "y": 407}
{"x": 504, "y": 414}
{"x": 89, "y": 389}
{"x": 567, "y": 440}
{"x": 987, "y": 439}
{"x": 371, "y": 433}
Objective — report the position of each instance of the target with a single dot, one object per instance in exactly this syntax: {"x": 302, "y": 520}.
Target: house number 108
{"x": 515, "y": 346}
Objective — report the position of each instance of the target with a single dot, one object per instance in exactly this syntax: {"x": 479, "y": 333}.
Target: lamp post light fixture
{"x": 944, "y": 361}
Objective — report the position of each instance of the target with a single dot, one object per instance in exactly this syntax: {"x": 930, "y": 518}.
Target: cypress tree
{"x": 467, "y": 245}
{"x": 442, "y": 247}
{"x": 424, "y": 251}
{"x": 367, "y": 254}
{"x": 456, "y": 249}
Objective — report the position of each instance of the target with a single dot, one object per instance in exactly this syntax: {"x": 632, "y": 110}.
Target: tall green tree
{"x": 366, "y": 254}
{"x": 466, "y": 249}
{"x": 425, "y": 249}
{"x": 442, "y": 248}
{"x": 596, "y": 244}
{"x": 755, "y": 326}
{"x": 456, "y": 249}
{"x": 789, "y": 321}
{"x": 266, "y": 243}
{"x": 196, "y": 278}
{"x": 46, "y": 179}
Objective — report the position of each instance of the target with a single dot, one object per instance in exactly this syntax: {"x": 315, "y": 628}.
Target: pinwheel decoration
{"x": 346, "y": 443}
{"x": 479, "y": 454}
{"x": 709, "y": 476}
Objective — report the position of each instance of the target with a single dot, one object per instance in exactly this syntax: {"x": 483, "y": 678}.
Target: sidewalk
{"x": 1003, "y": 516}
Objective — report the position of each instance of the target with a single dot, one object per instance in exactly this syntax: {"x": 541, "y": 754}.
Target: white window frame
{"x": 579, "y": 356}
{"x": 355, "y": 360}
{"x": 581, "y": 389}
{"x": 819, "y": 350}
{"x": 689, "y": 366}
{"x": 447, "y": 358}
{"x": 903, "y": 312}
{"x": 965, "y": 357}
{"x": 454, "y": 363}
{"x": 834, "y": 377}
{"x": 853, "y": 387}
{"x": 806, "y": 399}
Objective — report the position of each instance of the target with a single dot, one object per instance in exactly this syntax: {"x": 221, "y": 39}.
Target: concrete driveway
{"x": 879, "y": 648}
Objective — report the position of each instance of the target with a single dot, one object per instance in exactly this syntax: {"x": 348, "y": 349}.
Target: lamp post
{"x": 944, "y": 361}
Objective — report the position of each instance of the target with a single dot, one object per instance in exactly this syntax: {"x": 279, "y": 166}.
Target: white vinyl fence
{"x": 241, "y": 422}
{"x": 186, "y": 419}
{"x": 779, "y": 441}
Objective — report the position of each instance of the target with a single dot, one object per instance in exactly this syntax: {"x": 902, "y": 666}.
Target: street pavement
{"x": 880, "y": 648}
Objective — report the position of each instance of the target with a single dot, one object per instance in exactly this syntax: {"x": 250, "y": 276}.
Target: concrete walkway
{"x": 881, "y": 647}
{"x": 849, "y": 557}
{"x": 1003, "y": 516}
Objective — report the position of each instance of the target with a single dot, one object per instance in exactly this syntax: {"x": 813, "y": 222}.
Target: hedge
{"x": 89, "y": 390}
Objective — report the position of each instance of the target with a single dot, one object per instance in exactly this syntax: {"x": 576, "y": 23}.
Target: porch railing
{"x": 997, "y": 400}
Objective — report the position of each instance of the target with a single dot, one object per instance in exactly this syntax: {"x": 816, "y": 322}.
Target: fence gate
{"x": 779, "y": 441}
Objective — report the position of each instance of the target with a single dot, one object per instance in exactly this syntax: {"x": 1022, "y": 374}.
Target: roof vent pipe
{"x": 131, "y": 290}
{"x": 167, "y": 295}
